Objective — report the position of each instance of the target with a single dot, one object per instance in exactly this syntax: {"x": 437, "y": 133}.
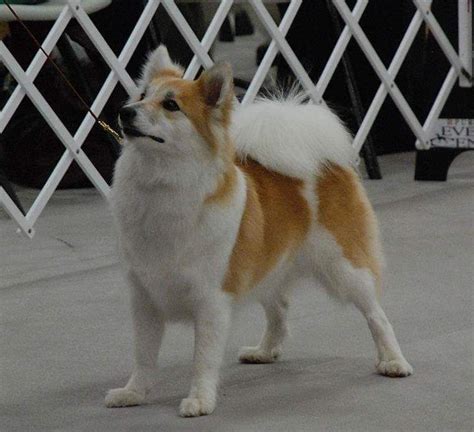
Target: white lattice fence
{"x": 461, "y": 67}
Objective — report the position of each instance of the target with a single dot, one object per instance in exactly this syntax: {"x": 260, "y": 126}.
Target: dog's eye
{"x": 170, "y": 105}
{"x": 142, "y": 96}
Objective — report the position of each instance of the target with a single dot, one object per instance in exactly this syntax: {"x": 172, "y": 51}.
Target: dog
{"x": 213, "y": 202}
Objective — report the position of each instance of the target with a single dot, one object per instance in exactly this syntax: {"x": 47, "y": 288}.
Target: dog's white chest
{"x": 177, "y": 251}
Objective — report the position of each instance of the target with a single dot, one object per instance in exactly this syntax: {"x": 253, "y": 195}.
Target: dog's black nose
{"x": 127, "y": 114}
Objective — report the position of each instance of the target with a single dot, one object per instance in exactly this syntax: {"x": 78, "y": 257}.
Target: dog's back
{"x": 301, "y": 192}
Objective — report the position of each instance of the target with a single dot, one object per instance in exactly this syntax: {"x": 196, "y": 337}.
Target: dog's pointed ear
{"x": 159, "y": 62}
{"x": 217, "y": 84}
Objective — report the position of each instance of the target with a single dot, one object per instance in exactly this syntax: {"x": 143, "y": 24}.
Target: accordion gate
{"x": 460, "y": 68}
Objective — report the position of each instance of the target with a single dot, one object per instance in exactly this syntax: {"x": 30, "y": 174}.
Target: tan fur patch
{"x": 276, "y": 220}
{"x": 225, "y": 188}
{"x": 188, "y": 95}
{"x": 168, "y": 73}
{"x": 346, "y": 213}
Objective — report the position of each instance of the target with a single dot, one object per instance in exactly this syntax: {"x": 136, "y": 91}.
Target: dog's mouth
{"x": 132, "y": 132}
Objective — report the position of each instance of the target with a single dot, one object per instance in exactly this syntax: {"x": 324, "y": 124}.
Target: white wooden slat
{"x": 99, "y": 42}
{"x": 35, "y": 66}
{"x": 89, "y": 121}
{"x": 465, "y": 40}
{"x": 339, "y": 49}
{"x": 439, "y": 103}
{"x": 13, "y": 211}
{"x": 439, "y": 35}
{"x": 382, "y": 92}
{"x": 271, "y": 53}
{"x": 187, "y": 33}
{"x": 209, "y": 37}
{"x": 286, "y": 50}
{"x": 53, "y": 120}
{"x": 382, "y": 73}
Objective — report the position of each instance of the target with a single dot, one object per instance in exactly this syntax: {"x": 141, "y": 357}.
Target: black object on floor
{"x": 433, "y": 164}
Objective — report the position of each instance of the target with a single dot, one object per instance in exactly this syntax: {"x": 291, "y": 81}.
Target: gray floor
{"x": 66, "y": 333}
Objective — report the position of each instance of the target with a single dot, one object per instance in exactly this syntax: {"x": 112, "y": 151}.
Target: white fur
{"x": 157, "y": 60}
{"x": 293, "y": 138}
{"x": 176, "y": 249}
{"x": 176, "y": 253}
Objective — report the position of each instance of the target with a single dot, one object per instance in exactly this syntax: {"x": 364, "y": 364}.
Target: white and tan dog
{"x": 211, "y": 204}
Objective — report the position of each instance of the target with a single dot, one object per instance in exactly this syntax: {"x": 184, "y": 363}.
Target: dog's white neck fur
{"x": 150, "y": 169}
{"x": 162, "y": 195}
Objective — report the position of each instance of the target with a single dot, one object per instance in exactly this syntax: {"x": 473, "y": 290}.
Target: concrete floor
{"x": 66, "y": 332}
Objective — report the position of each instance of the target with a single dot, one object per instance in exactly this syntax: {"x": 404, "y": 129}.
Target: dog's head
{"x": 173, "y": 116}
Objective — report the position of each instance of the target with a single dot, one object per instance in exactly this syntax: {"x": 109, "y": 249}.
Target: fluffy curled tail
{"x": 292, "y": 137}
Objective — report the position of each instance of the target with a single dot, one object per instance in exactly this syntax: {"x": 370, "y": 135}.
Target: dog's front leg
{"x": 149, "y": 326}
{"x": 211, "y": 324}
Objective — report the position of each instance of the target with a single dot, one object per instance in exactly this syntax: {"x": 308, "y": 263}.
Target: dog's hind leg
{"x": 270, "y": 347}
{"x": 357, "y": 285}
{"x": 345, "y": 248}
{"x": 149, "y": 327}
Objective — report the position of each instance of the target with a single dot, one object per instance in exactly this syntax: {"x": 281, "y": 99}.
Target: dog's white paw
{"x": 194, "y": 407}
{"x": 123, "y": 397}
{"x": 258, "y": 355}
{"x": 394, "y": 368}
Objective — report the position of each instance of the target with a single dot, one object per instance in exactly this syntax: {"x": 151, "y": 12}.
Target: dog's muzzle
{"x": 127, "y": 116}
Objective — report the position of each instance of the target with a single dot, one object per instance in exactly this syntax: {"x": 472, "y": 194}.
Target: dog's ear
{"x": 217, "y": 84}
{"x": 159, "y": 62}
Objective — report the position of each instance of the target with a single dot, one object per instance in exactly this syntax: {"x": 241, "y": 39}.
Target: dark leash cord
{"x": 105, "y": 126}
